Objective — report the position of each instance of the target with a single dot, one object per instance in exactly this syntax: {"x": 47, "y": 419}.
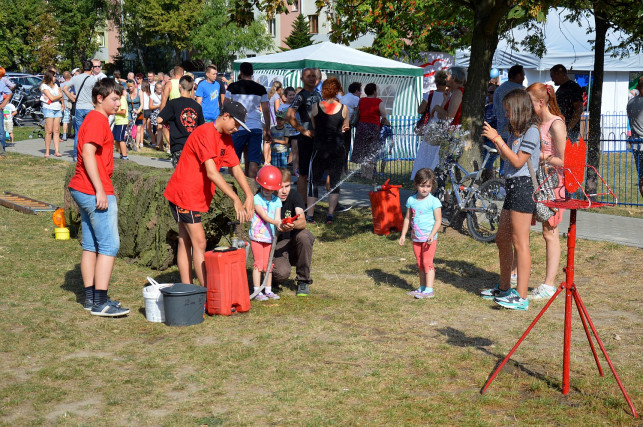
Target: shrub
{"x": 148, "y": 233}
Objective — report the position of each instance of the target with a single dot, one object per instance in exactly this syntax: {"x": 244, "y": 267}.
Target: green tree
{"x": 80, "y": 22}
{"x": 158, "y": 27}
{"x": 43, "y": 42}
{"x": 17, "y": 24}
{"x": 300, "y": 35}
{"x": 213, "y": 40}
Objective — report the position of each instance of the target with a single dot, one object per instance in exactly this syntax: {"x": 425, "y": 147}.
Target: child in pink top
{"x": 553, "y": 135}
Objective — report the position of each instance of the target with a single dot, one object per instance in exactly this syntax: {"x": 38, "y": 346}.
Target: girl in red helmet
{"x": 263, "y": 227}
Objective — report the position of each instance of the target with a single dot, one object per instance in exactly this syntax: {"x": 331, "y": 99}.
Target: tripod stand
{"x": 572, "y": 184}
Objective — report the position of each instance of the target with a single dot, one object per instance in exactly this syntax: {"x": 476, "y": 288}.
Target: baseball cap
{"x": 237, "y": 111}
{"x": 280, "y": 114}
{"x": 74, "y": 71}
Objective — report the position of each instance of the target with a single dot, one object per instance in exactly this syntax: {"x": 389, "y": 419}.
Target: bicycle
{"x": 480, "y": 202}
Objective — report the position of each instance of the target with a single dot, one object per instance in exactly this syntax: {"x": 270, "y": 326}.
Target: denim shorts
{"x": 519, "y": 196}
{"x": 253, "y": 140}
{"x": 52, "y": 114}
{"x": 99, "y": 227}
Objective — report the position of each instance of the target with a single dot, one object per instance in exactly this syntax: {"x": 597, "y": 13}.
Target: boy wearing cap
{"x": 192, "y": 185}
{"x": 276, "y": 151}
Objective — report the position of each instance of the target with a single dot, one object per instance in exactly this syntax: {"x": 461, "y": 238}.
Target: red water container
{"x": 227, "y": 282}
{"x": 385, "y": 205}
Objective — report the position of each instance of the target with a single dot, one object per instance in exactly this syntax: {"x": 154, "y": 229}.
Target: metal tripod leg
{"x": 524, "y": 335}
{"x": 579, "y": 303}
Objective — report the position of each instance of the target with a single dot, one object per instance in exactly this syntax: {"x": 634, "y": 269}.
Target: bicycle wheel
{"x": 484, "y": 217}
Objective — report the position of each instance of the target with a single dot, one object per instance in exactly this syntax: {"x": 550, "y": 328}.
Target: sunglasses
{"x": 96, "y": 66}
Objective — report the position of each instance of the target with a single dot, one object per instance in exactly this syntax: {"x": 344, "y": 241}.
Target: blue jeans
{"x": 79, "y": 117}
{"x": 636, "y": 145}
{"x": 99, "y": 227}
{"x": 3, "y": 138}
{"x": 253, "y": 140}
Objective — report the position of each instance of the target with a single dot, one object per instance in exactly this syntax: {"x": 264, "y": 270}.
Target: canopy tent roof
{"x": 331, "y": 56}
{"x": 567, "y": 43}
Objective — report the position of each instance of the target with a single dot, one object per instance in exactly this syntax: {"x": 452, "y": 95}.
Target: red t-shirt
{"x": 189, "y": 187}
{"x": 369, "y": 110}
{"x": 95, "y": 130}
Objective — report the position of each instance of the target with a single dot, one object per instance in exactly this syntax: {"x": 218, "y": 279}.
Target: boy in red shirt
{"x": 91, "y": 188}
{"x": 192, "y": 185}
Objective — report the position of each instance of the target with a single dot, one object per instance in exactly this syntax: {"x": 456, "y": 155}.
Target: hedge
{"x": 148, "y": 232}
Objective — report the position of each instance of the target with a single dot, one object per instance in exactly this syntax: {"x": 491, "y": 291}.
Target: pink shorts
{"x": 424, "y": 254}
{"x": 261, "y": 254}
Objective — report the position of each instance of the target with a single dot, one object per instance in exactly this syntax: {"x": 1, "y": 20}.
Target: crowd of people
{"x": 305, "y": 132}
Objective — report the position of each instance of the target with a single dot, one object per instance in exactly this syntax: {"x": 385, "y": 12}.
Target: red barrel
{"x": 386, "y": 209}
{"x": 227, "y": 282}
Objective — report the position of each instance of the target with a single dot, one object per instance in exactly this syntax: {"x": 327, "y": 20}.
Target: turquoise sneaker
{"x": 513, "y": 301}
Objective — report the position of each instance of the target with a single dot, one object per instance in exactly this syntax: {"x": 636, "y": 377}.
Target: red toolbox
{"x": 227, "y": 282}
{"x": 385, "y": 206}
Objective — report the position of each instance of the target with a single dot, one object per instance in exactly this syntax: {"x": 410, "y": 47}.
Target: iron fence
{"x": 618, "y": 165}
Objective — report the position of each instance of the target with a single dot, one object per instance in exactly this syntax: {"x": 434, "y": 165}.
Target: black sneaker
{"x": 329, "y": 219}
{"x": 310, "y": 219}
{"x": 343, "y": 208}
{"x": 302, "y": 289}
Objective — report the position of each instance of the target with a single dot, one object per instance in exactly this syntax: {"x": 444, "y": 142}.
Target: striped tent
{"x": 399, "y": 85}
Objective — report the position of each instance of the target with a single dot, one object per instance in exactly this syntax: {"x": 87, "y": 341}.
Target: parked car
{"x": 27, "y": 81}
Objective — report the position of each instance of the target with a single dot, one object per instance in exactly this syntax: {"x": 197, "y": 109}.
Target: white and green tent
{"x": 399, "y": 85}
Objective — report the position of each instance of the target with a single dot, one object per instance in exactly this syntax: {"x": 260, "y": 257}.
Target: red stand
{"x": 571, "y": 292}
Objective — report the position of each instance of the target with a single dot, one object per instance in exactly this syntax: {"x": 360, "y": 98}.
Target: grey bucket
{"x": 184, "y": 304}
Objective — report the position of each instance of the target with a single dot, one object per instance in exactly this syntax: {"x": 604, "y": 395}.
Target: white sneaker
{"x": 542, "y": 292}
{"x": 514, "y": 281}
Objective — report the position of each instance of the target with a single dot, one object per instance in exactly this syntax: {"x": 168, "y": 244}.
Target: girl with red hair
{"x": 553, "y": 135}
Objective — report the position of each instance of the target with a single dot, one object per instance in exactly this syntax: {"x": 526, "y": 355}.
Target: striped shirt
{"x": 528, "y": 143}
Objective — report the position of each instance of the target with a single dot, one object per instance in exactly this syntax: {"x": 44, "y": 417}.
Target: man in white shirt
{"x": 254, "y": 98}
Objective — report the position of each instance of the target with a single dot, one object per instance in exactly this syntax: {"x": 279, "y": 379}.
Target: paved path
{"x": 591, "y": 226}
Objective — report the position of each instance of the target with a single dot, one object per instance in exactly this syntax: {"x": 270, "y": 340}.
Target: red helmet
{"x": 269, "y": 177}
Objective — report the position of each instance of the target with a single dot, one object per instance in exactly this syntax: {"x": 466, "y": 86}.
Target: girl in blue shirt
{"x": 424, "y": 216}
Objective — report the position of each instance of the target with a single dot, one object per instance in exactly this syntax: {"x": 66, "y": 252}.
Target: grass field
{"x": 358, "y": 351}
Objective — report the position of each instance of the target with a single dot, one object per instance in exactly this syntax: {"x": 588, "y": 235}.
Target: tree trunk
{"x": 140, "y": 58}
{"x": 487, "y": 15}
{"x": 596, "y": 94}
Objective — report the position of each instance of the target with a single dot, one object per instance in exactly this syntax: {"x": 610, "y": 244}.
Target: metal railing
{"x": 618, "y": 166}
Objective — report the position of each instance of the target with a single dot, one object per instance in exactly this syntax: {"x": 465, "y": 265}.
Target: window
{"x": 295, "y": 5}
{"x": 272, "y": 27}
{"x": 387, "y": 94}
{"x": 101, "y": 39}
{"x": 313, "y": 22}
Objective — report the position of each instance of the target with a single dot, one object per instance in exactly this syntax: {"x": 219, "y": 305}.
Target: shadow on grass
{"x": 74, "y": 283}
{"x": 383, "y": 278}
{"x": 460, "y": 274}
{"x": 346, "y": 224}
{"x": 460, "y": 339}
